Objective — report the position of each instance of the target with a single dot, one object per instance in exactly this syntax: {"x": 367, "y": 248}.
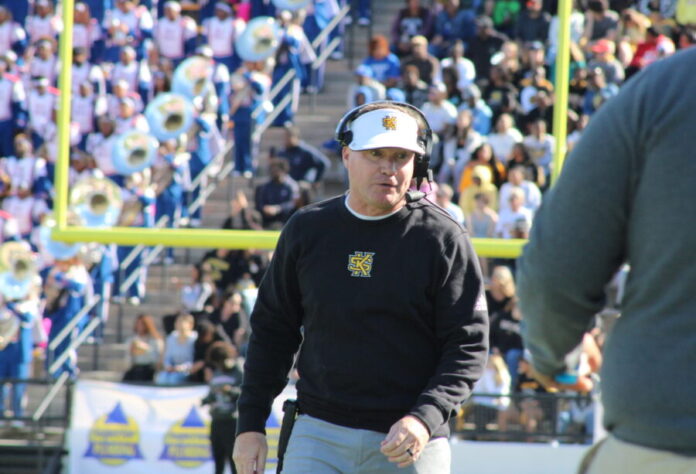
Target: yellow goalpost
{"x": 245, "y": 239}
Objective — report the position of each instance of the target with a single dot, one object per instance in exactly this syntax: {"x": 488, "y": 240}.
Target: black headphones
{"x": 421, "y": 169}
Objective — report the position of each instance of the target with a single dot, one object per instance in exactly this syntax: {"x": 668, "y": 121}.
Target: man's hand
{"x": 405, "y": 441}
{"x": 250, "y": 450}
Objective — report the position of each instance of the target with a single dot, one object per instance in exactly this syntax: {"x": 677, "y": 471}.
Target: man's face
{"x": 379, "y": 178}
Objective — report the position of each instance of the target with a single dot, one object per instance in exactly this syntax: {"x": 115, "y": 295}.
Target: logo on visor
{"x": 360, "y": 264}
{"x": 389, "y": 122}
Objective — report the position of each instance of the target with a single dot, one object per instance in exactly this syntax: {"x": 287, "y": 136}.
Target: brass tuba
{"x": 19, "y": 270}
{"x": 133, "y": 151}
{"x": 259, "y": 40}
{"x": 192, "y": 77}
{"x": 291, "y": 5}
{"x": 56, "y": 249}
{"x": 96, "y": 201}
{"x": 169, "y": 115}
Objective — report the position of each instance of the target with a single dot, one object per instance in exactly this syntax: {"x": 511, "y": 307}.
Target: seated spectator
{"x": 198, "y": 293}
{"x": 604, "y": 59}
{"x": 483, "y": 47}
{"x": 517, "y": 179}
{"x": 526, "y": 410}
{"x": 307, "y": 164}
{"x": 531, "y": 86}
{"x": 504, "y": 137}
{"x": 505, "y": 318}
{"x": 494, "y": 384}
{"x": 415, "y": 89}
{"x": 414, "y": 20}
{"x": 242, "y": 216}
{"x": 427, "y": 64}
{"x": 207, "y": 336}
{"x": 504, "y": 14}
{"x": 576, "y": 126}
{"x": 532, "y": 23}
{"x": 510, "y": 220}
{"x": 542, "y": 109}
{"x": 441, "y": 115}
{"x": 451, "y": 24}
{"x": 178, "y": 352}
{"x": 481, "y": 223}
{"x": 232, "y": 319}
{"x": 450, "y": 78}
{"x": 541, "y": 146}
{"x": 366, "y": 84}
{"x": 385, "y": 65}
{"x": 598, "y": 91}
{"x": 533, "y": 58}
{"x": 275, "y": 199}
{"x": 466, "y": 71}
{"x": 145, "y": 348}
{"x": 483, "y": 156}
{"x": 600, "y": 22}
{"x": 480, "y": 112}
{"x": 480, "y": 184}
{"x": 457, "y": 151}
{"x": 519, "y": 156}
{"x": 443, "y": 198}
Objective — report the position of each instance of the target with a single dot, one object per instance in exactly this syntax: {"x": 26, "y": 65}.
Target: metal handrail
{"x": 275, "y": 90}
{"x": 271, "y": 117}
{"x": 73, "y": 322}
{"x": 331, "y": 26}
{"x": 43, "y": 406}
{"x": 91, "y": 326}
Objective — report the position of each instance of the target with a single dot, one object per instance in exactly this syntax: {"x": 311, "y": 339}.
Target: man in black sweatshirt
{"x": 384, "y": 292}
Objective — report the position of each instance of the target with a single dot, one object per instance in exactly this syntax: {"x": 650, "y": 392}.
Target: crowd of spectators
{"x": 482, "y": 71}
{"x": 127, "y": 55}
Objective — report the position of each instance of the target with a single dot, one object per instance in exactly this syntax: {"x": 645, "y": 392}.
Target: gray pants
{"x": 319, "y": 447}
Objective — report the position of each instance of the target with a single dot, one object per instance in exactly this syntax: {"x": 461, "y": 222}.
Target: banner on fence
{"x": 137, "y": 429}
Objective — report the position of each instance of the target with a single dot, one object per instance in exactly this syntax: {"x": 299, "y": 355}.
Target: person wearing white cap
{"x": 383, "y": 290}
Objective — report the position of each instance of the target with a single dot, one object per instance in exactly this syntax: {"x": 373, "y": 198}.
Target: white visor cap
{"x": 383, "y": 128}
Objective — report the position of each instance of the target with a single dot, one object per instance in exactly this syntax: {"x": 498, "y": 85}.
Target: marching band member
{"x": 138, "y": 199}
{"x": 86, "y": 31}
{"x": 85, "y": 107}
{"x": 44, "y": 23}
{"x": 171, "y": 177}
{"x": 44, "y": 62}
{"x": 68, "y": 289}
{"x": 12, "y": 35}
{"x": 42, "y": 101}
{"x": 127, "y": 118}
{"x": 287, "y": 57}
{"x": 221, "y": 32}
{"x": 101, "y": 144}
{"x": 136, "y": 73}
{"x": 122, "y": 90}
{"x": 127, "y": 24}
{"x": 248, "y": 86}
{"x": 13, "y": 113}
{"x": 84, "y": 71}
{"x": 174, "y": 34}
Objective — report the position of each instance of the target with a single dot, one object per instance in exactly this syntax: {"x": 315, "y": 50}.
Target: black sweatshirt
{"x": 392, "y": 314}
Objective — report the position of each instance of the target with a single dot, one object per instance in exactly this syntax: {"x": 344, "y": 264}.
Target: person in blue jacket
{"x": 16, "y": 355}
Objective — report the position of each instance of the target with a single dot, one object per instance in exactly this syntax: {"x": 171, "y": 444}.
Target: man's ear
{"x": 345, "y": 152}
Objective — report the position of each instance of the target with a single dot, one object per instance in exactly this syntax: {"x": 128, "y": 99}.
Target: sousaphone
{"x": 192, "y": 77}
{"x": 133, "y": 151}
{"x": 169, "y": 115}
{"x": 260, "y": 39}
{"x": 19, "y": 270}
{"x": 96, "y": 201}
{"x": 291, "y": 5}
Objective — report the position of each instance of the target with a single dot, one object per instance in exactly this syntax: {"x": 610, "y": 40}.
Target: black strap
{"x": 290, "y": 409}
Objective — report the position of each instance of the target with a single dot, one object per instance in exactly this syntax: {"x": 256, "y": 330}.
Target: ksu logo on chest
{"x": 360, "y": 264}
